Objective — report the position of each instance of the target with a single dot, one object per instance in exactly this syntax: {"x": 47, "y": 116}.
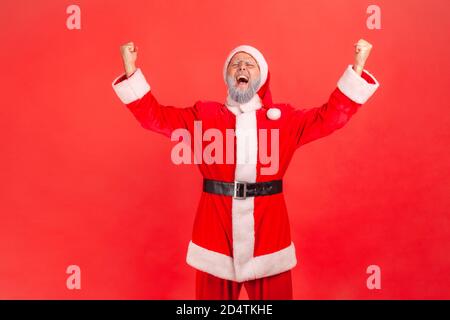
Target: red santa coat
{"x": 245, "y": 239}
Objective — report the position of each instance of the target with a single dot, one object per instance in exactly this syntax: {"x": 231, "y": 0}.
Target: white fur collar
{"x": 237, "y": 108}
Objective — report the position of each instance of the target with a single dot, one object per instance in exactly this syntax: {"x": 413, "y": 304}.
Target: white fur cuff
{"x": 131, "y": 89}
{"x": 355, "y": 87}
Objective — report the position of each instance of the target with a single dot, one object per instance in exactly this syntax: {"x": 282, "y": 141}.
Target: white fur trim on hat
{"x": 256, "y": 54}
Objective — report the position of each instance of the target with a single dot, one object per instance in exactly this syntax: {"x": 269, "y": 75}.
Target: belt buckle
{"x": 238, "y": 186}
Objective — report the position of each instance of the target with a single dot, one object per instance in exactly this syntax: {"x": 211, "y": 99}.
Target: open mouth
{"x": 242, "y": 80}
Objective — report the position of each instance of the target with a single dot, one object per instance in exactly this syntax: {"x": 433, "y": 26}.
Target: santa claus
{"x": 241, "y": 234}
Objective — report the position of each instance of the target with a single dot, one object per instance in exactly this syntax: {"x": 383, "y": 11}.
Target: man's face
{"x": 243, "y": 77}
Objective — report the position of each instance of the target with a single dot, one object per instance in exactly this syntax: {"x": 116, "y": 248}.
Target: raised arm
{"x": 354, "y": 88}
{"x": 134, "y": 91}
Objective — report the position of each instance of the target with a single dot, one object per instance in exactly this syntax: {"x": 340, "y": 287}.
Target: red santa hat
{"x": 263, "y": 89}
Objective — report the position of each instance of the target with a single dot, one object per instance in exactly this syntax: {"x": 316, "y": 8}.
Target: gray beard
{"x": 242, "y": 96}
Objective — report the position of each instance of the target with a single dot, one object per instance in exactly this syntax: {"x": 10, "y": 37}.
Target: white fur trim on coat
{"x": 242, "y": 210}
{"x": 217, "y": 264}
{"x": 355, "y": 87}
{"x": 222, "y": 266}
{"x": 131, "y": 89}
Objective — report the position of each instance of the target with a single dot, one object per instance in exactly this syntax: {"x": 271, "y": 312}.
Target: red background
{"x": 84, "y": 184}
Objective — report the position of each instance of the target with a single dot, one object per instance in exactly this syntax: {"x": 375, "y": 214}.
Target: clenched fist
{"x": 362, "y": 51}
{"x": 129, "y": 56}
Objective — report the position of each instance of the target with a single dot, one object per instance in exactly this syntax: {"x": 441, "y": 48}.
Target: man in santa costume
{"x": 241, "y": 232}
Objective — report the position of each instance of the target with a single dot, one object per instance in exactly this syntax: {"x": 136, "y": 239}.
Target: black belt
{"x": 241, "y": 190}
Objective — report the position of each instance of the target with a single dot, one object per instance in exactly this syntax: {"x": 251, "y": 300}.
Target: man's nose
{"x": 241, "y": 66}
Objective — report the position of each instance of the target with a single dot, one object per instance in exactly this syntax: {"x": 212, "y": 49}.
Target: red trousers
{"x": 277, "y": 287}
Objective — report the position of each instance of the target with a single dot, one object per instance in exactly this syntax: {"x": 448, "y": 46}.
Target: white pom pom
{"x": 274, "y": 113}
